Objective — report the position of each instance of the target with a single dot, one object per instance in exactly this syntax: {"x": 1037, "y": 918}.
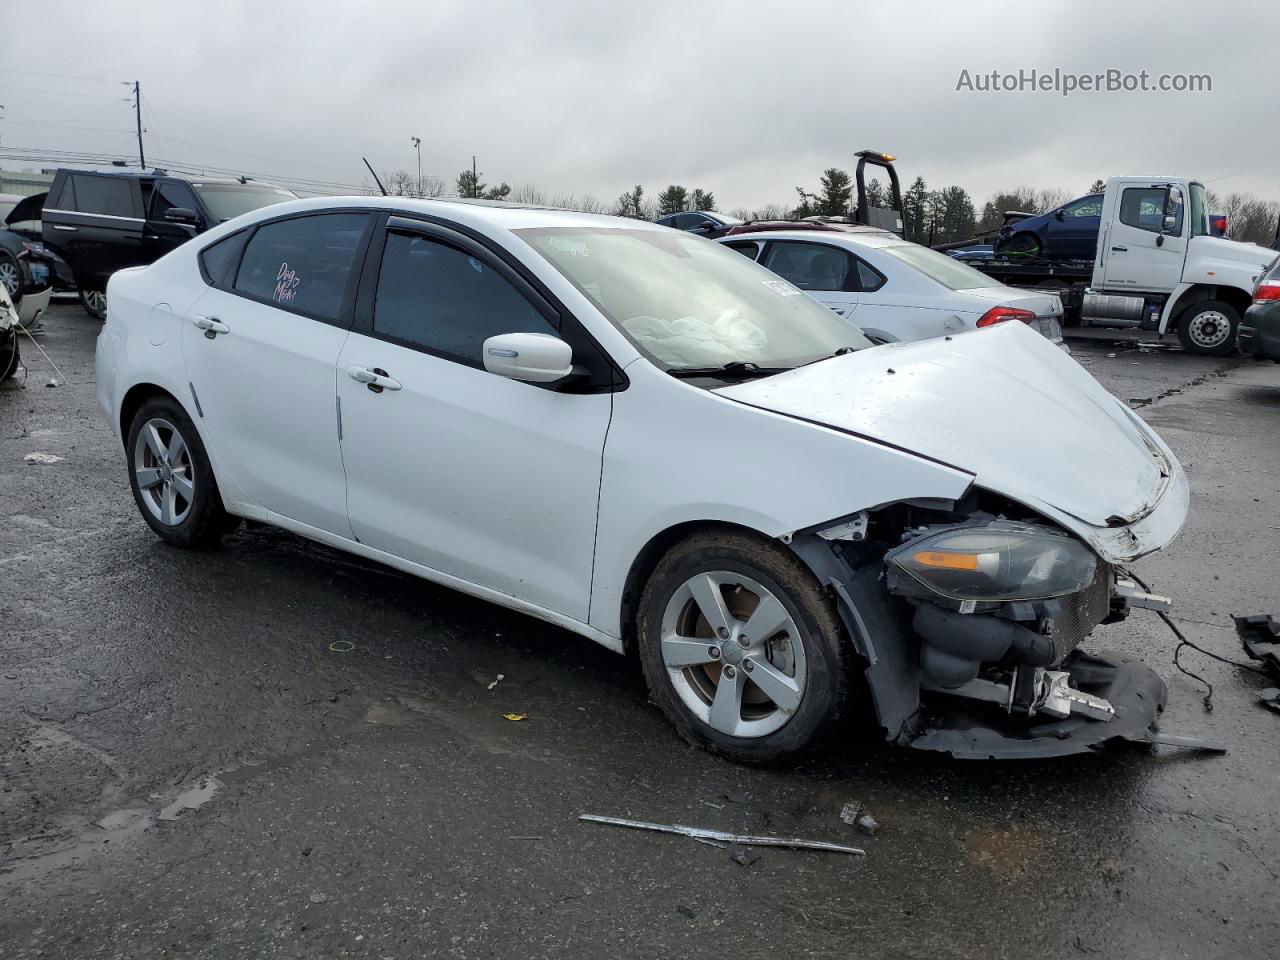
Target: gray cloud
{"x": 746, "y": 99}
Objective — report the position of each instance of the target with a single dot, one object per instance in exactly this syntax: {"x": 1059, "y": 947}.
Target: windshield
{"x": 939, "y": 267}
{"x": 227, "y": 200}
{"x": 685, "y": 302}
{"x": 1199, "y": 211}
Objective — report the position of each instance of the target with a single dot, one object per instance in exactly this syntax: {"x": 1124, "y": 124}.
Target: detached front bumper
{"x": 1135, "y": 692}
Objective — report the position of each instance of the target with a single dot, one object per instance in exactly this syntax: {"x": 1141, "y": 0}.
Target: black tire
{"x": 1021, "y": 245}
{"x": 826, "y": 650}
{"x": 1209, "y": 328}
{"x": 10, "y": 356}
{"x": 11, "y": 276}
{"x": 94, "y": 300}
{"x": 204, "y": 520}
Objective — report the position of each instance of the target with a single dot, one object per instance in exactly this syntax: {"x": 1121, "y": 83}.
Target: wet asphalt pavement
{"x": 272, "y": 749}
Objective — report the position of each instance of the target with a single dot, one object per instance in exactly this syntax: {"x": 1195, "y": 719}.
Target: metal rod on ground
{"x": 42, "y": 353}
{"x": 747, "y": 840}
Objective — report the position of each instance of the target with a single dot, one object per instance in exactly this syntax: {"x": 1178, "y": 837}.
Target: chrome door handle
{"x": 62, "y": 226}
{"x": 211, "y": 326}
{"x": 376, "y": 379}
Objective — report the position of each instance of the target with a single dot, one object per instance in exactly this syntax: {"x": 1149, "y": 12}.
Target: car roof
{"x": 478, "y": 213}
{"x": 871, "y": 238}
{"x": 161, "y": 173}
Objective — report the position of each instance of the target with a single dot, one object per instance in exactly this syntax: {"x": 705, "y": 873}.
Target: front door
{"x": 261, "y": 349}
{"x": 1140, "y": 256}
{"x": 159, "y": 236}
{"x": 482, "y": 478}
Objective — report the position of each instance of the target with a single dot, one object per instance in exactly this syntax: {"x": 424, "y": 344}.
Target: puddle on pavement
{"x": 113, "y": 829}
{"x": 192, "y": 799}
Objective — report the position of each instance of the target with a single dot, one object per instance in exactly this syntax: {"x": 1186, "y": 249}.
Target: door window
{"x": 1143, "y": 207}
{"x": 166, "y": 196}
{"x": 106, "y": 196}
{"x": 302, "y": 264}
{"x": 748, "y": 250}
{"x": 1086, "y": 207}
{"x": 810, "y": 266}
{"x": 447, "y": 302}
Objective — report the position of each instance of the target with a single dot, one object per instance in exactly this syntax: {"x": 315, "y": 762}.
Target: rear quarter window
{"x": 218, "y": 260}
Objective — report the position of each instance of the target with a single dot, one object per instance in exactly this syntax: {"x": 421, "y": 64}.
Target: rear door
{"x": 261, "y": 346}
{"x": 481, "y": 478}
{"x": 95, "y": 224}
{"x": 1139, "y": 255}
{"x": 825, "y": 272}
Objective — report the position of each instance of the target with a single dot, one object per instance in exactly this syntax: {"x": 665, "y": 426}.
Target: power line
{"x": 60, "y": 76}
{"x": 60, "y": 93}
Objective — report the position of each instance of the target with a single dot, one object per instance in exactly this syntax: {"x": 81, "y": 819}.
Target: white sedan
{"x": 655, "y": 443}
{"x": 892, "y": 289}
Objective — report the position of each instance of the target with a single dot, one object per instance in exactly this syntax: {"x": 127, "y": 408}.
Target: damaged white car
{"x": 654, "y": 442}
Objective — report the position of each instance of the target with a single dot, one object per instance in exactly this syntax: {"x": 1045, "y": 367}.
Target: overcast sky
{"x": 747, "y": 99}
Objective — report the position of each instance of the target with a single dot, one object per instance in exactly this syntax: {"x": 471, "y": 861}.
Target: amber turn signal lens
{"x": 946, "y": 561}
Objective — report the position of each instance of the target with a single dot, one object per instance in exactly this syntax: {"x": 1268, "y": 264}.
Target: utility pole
{"x": 137, "y": 113}
{"x": 417, "y": 145}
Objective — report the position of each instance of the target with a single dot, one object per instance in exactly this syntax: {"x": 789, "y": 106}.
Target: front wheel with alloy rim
{"x": 94, "y": 302}
{"x": 741, "y": 648}
{"x": 1209, "y": 328}
{"x": 171, "y": 478}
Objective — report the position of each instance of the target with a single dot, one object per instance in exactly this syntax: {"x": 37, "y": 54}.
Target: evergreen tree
{"x": 703, "y": 200}
{"x": 631, "y": 204}
{"x": 955, "y": 215}
{"x": 1098, "y": 186}
{"x": 915, "y": 211}
{"x": 469, "y": 184}
{"x": 673, "y": 199}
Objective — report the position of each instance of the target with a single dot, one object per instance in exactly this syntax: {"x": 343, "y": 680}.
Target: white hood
{"x": 1003, "y": 404}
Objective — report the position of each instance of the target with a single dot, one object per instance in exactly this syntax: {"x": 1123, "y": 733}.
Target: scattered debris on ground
{"x": 497, "y": 680}
{"x": 47, "y": 458}
{"x": 515, "y": 717}
{"x": 742, "y": 839}
{"x": 1260, "y": 635}
{"x": 1270, "y": 697}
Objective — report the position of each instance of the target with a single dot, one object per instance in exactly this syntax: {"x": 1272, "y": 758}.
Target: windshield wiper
{"x": 733, "y": 370}
{"x": 839, "y": 353}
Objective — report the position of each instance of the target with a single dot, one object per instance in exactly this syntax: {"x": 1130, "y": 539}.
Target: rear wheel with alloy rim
{"x": 11, "y": 275}
{"x": 171, "y": 478}
{"x": 94, "y": 302}
{"x": 741, "y": 648}
{"x": 1209, "y": 328}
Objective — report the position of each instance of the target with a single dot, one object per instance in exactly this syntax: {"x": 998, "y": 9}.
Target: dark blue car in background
{"x": 1068, "y": 233}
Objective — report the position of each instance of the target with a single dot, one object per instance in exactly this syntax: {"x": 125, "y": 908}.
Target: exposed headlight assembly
{"x": 998, "y": 561}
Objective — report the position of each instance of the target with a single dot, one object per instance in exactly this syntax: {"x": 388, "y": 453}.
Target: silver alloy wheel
{"x": 9, "y": 276}
{"x": 1209, "y": 329}
{"x": 734, "y": 654}
{"x": 96, "y": 300}
{"x": 164, "y": 471}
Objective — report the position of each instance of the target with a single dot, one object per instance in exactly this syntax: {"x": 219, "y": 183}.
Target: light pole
{"x": 417, "y": 145}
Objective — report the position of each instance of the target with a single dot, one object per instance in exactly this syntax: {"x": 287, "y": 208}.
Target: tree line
{"x": 929, "y": 215}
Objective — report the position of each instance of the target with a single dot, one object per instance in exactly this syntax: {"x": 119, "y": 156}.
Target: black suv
{"x": 102, "y": 222}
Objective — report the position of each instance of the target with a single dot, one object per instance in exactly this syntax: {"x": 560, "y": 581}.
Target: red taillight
{"x": 1266, "y": 293}
{"x": 1001, "y": 314}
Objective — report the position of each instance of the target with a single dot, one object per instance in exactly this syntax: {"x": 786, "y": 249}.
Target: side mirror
{"x": 1058, "y": 213}
{"x": 1169, "y": 224}
{"x": 703, "y": 227}
{"x": 182, "y": 215}
{"x": 531, "y": 357}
